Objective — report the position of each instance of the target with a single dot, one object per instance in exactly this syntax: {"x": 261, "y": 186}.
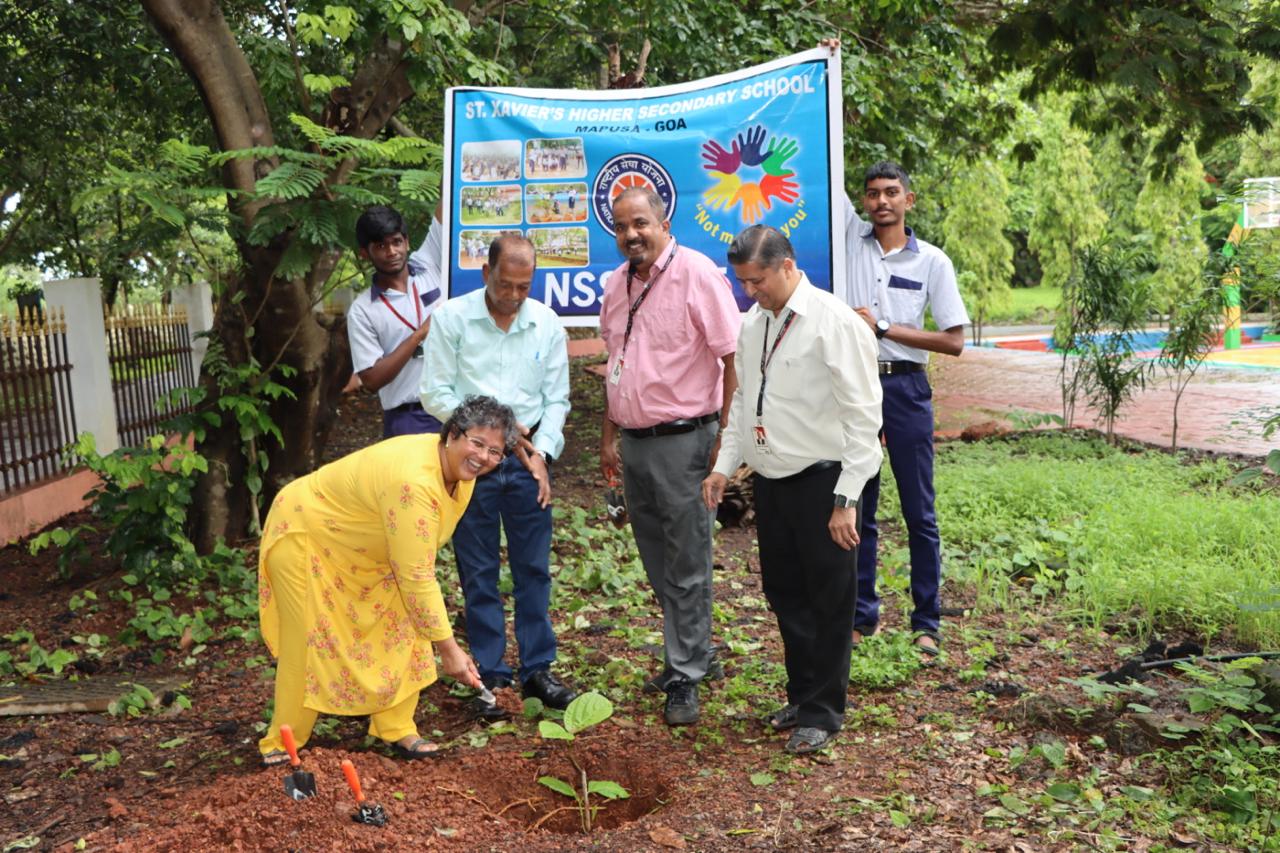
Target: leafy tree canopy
{"x": 1180, "y": 65}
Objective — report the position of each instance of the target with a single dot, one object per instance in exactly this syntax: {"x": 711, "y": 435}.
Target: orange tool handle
{"x": 290, "y": 745}
{"x": 353, "y": 780}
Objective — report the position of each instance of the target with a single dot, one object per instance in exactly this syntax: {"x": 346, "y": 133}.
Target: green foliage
{"x": 244, "y": 396}
{"x": 134, "y": 703}
{"x": 38, "y": 659}
{"x": 1182, "y": 67}
{"x": 1066, "y": 217}
{"x": 101, "y": 761}
{"x": 588, "y": 710}
{"x": 1105, "y": 304}
{"x": 141, "y": 507}
{"x": 1193, "y": 329}
{"x": 974, "y": 226}
{"x": 884, "y": 660}
{"x": 1168, "y": 212}
{"x": 1146, "y": 539}
{"x": 141, "y": 504}
{"x": 1029, "y": 305}
{"x": 1226, "y": 777}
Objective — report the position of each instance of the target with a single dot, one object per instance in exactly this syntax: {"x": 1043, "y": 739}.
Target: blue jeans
{"x": 908, "y": 435}
{"x": 506, "y": 496}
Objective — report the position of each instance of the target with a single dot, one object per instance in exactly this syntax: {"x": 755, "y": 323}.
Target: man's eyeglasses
{"x": 495, "y": 453}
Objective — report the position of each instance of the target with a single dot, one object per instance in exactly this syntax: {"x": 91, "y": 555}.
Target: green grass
{"x": 1145, "y": 540}
{"x": 1030, "y": 305}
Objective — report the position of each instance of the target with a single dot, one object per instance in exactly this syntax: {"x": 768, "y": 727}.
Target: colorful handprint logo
{"x": 750, "y": 174}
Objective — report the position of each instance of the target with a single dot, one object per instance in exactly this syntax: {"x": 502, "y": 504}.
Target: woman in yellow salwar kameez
{"x": 348, "y": 596}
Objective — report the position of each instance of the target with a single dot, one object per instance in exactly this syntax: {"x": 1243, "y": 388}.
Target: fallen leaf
{"x": 666, "y": 837}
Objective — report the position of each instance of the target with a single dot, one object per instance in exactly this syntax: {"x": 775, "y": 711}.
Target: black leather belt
{"x": 406, "y": 407}
{"x": 893, "y": 368}
{"x": 676, "y": 427}
{"x": 815, "y": 468}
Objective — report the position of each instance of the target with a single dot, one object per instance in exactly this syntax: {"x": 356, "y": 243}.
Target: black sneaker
{"x": 682, "y": 703}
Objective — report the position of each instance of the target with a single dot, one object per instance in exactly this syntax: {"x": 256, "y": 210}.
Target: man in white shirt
{"x": 387, "y": 327}
{"x": 892, "y": 276}
{"x": 805, "y": 417}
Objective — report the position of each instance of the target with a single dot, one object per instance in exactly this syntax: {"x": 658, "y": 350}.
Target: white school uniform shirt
{"x": 373, "y": 331}
{"x": 899, "y": 284}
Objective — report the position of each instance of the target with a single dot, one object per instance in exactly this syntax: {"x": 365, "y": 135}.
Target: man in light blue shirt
{"x": 495, "y": 341}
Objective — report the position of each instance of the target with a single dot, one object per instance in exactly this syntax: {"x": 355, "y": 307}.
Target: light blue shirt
{"x": 525, "y": 367}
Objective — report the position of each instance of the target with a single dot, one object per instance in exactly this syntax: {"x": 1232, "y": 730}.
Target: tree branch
{"x": 201, "y": 39}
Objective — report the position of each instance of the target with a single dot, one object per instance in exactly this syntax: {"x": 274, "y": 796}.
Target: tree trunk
{"x": 260, "y": 316}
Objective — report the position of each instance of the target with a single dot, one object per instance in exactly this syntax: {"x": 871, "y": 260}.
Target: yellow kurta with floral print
{"x": 373, "y": 522}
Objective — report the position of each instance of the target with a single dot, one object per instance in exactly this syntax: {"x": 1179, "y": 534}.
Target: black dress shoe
{"x": 553, "y": 692}
{"x": 658, "y": 684}
{"x": 489, "y": 712}
{"x": 495, "y": 682}
{"x": 682, "y": 703}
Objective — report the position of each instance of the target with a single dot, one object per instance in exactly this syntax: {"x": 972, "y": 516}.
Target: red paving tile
{"x": 1221, "y": 410}
{"x": 580, "y": 347}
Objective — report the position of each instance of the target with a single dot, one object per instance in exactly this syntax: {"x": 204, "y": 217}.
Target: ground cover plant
{"x": 1011, "y": 739}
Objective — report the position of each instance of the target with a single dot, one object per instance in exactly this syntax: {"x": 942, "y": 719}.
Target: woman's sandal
{"x": 414, "y": 751}
{"x": 275, "y": 758}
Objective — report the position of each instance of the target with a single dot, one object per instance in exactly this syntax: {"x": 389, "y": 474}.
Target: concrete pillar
{"x": 81, "y": 301}
{"x": 197, "y": 300}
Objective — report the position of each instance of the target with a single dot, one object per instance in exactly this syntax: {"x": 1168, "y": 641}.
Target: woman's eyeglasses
{"x": 495, "y": 453}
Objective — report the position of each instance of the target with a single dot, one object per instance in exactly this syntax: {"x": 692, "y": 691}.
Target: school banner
{"x": 761, "y": 145}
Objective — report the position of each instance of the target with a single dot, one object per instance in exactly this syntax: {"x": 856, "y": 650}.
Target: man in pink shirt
{"x": 670, "y": 323}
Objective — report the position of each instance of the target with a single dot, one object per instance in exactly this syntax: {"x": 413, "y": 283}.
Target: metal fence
{"x": 149, "y": 354}
{"x": 37, "y": 415}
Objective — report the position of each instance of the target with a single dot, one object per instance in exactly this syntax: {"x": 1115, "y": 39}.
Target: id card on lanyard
{"x": 615, "y": 375}
{"x": 760, "y": 434}
{"x": 417, "y": 304}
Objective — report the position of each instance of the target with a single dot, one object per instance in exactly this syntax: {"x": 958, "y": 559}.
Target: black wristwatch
{"x": 842, "y": 502}
{"x": 882, "y": 328}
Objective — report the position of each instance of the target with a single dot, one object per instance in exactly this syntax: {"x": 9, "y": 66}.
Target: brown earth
{"x": 191, "y": 780}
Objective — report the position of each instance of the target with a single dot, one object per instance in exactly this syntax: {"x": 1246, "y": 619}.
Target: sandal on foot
{"x": 929, "y": 651}
{"x": 807, "y": 740}
{"x": 415, "y": 752}
{"x": 275, "y": 758}
{"x": 786, "y": 717}
{"x": 860, "y": 634}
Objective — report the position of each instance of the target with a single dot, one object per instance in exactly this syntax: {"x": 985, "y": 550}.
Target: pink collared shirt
{"x": 682, "y": 330}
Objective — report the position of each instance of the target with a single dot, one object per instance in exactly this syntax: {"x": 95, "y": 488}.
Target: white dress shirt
{"x": 822, "y": 392}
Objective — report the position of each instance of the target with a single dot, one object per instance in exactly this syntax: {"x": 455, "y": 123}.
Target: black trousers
{"x": 811, "y": 584}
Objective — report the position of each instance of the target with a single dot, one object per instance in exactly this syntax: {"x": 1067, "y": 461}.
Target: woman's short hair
{"x": 483, "y": 412}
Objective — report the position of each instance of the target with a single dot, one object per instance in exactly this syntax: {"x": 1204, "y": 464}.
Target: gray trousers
{"x": 663, "y": 486}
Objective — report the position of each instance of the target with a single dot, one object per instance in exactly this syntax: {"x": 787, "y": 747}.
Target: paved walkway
{"x": 1221, "y": 410}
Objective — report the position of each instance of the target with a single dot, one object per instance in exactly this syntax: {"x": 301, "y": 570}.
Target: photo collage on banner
{"x": 761, "y": 145}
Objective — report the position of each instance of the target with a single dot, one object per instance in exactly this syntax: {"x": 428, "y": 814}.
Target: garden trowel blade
{"x": 300, "y": 785}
